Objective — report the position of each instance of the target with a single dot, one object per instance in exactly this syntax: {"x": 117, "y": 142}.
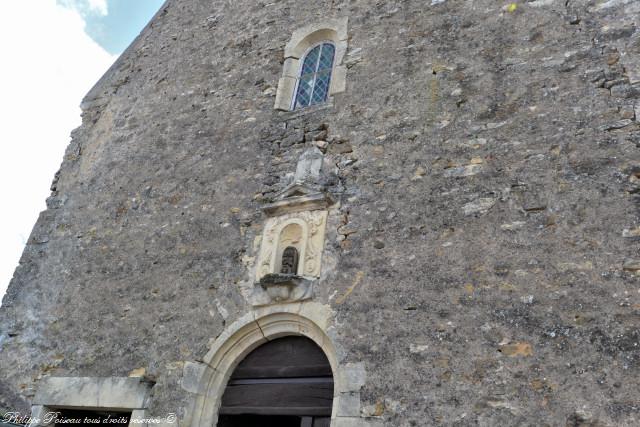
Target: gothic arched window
{"x": 315, "y": 76}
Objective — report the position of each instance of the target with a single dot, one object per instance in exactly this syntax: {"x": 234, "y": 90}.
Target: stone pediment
{"x": 298, "y": 197}
{"x": 296, "y": 189}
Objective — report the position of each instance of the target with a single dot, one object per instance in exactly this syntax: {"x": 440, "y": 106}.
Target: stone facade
{"x": 477, "y": 195}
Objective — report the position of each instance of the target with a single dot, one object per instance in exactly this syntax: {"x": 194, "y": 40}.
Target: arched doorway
{"x": 287, "y": 382}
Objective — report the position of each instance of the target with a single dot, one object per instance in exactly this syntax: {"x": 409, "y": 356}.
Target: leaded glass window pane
{"x": 305, "y": 89}
{"x": 311, "y": 61}
{"x": 321, "y": 87}
{"x": 326, "y": 59}
{"x": 315, "y": 76}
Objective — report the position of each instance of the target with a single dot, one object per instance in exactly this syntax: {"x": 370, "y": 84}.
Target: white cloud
{"x": 49, "y": 64}
{"x": 99, "y": 6}
{"x": 86, "y": 6}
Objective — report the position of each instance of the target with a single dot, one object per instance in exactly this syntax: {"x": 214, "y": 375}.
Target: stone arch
{"x": 330, "y": 30}
{"x": 251, "y": 331}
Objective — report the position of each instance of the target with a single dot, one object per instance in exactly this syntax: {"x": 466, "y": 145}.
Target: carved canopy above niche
{"x": 296, "y": 198}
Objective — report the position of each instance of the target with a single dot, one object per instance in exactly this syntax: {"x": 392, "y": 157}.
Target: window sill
{"x": 288, "y": 115}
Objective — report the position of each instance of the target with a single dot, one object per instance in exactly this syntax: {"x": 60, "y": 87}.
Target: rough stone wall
{"x": 483, "y": 261}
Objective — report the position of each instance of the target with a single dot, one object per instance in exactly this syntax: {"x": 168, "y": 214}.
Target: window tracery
{"x": 315, "y": 76}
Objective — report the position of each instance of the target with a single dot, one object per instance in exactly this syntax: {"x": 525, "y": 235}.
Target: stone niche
{"x": 290, "y": 257}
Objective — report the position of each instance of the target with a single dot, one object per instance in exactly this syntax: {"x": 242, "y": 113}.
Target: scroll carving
{"x": 312, "y": 225}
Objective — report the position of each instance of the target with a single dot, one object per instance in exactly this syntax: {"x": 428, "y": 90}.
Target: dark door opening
{"x": 258, "y": 421}
{"x": 287, "y": 382}
{"x": 272, "y": 421}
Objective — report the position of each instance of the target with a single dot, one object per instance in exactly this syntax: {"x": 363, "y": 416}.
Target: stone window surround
{"x": 330, "y": 30}
{"x": 316, "y": 72}
{"x": 207, "y": 380}
{"x": 130, "y": 394}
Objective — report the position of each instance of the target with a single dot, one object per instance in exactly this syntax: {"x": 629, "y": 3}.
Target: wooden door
{"x": 288, "y": 378}
{"x": 272, "y": 421}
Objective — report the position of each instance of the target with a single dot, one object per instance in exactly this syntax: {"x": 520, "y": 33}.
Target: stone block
{"x": 291, "y": 68}
{"x": 479, "y": 206}
{"x": 320, "y": 314}
{"x": 348, "y": 404}
{"x": 284, "y": 94}
{"x": 192, "y": 374}
{"x": 355, "y": 422}
{"x": 120, "y": 393}
{"x": 354, "y": 376}
{"x": 338, "y": 80}
{"x": 463, "y": 171}
{"x": 632, "y": 265}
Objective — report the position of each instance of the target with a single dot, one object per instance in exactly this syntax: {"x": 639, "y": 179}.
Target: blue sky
{"x": 53, "y": 52}
{"x": 113, "y": 24}
{"x": 122, "y": 23}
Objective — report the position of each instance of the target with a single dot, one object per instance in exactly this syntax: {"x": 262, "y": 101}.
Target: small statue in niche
{"x": 289, "y": 261}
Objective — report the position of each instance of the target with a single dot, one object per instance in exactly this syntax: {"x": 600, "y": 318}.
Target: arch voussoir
{"x": 249, "y": 332}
